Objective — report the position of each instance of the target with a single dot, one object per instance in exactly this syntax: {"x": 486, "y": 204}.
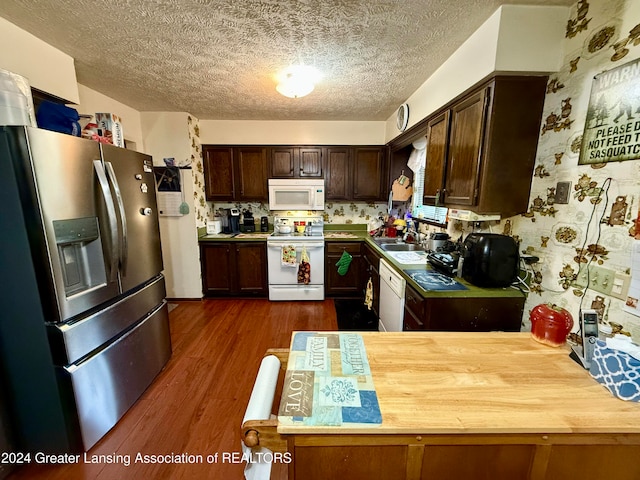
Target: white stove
{"x": 294, "y": 239}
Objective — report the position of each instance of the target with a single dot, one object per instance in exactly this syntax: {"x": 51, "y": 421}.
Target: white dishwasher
{"x": 391, "y": 307}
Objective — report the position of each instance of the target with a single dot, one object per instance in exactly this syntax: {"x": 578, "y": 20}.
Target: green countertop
{"x": 358, "y": 233}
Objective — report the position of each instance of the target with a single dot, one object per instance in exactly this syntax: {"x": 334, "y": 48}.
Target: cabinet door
{"x": 368, "y": 173}
{"x": 337, "y": 173}
{"x": 251, "y": 271}
{"x": 295, "y": 162}
{"x": 310, "y": 162}
{"x": 413, "y": 310}
{"x": 347, "y": 285}
{"x": 216, "y": 264}
{"x": 371, "y": 262}
{"x": 436, "y": 161}
{"x": 282, "y": 162}
{"x": 218, "y": 173}
{"x": 251, "y": 165}
{"x": 465, "y": 149}
{"x": 479, "y": 314}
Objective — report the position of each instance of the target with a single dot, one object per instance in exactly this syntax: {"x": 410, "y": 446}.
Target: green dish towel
{"x": 344, "y": 262}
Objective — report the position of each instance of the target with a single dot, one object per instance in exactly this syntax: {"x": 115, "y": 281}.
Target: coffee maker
{"x": 248, "y": 223}
{"x": 233, "y": 220}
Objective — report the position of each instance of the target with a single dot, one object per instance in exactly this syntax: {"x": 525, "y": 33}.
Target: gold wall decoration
{"x": 618, "y": 211}
{"x": 555, "y": 122}
{"x": 612, "y": 127}
{"x": 585, "y": 187}
{"x": 558, "y": 156}
{"x": 566, "y": 234}
{"x": 567, "y": 276}
{"x": 598, "y": 253}
{"x": 573, "y": 64}
{"x": 580, "y": 22}
{"x": 620, "y": 47}
{"x": 554, "y": 85}
{"x": 601, "y": 38}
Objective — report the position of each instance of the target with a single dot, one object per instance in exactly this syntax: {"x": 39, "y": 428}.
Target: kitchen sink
{"x": 381, "y": 240}
{"x": 401, "y": 247}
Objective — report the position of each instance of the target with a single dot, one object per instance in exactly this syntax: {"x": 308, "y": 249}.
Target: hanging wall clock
{"x": 402, "y": 117}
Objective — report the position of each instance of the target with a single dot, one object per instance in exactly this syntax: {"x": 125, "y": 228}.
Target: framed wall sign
{"x": 612, "y": 129}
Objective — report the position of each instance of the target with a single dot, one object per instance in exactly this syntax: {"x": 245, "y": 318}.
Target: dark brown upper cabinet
{"x": 465, "y": 149}
{"x": 487, "y": 160}
{"x": 235, "y": 173}
{"x": 356, "y": 173}
{"x": 295, "y": 162}
{"x": 369, "y": 179}
{"x": 337, "y": 179}
{"x": 436, "y": 152}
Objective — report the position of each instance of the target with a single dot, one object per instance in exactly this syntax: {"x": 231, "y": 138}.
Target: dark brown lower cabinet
{"x": 234, "y": 268}
{"x": 348, "y": 285}
{"x": 474, "y": 314}
{"x": 370, "y": 271}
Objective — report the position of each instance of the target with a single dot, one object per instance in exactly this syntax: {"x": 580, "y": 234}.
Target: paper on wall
{"x": 632, "y": 303}
{"x": 169, "y": 204}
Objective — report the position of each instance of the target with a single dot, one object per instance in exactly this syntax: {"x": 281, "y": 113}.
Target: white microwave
{"x": 296, "y": 194}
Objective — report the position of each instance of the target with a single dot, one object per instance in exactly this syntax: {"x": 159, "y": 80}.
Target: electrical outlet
{"x": 562, "y": 192}
{"x": 620, "y": 288}
{"x": 600, "y": 279}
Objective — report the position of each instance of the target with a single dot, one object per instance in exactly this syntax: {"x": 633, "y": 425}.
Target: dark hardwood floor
{"x": 196, "y": 404}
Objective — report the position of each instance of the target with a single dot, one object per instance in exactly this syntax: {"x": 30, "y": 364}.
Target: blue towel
{"x": 59, "y": 118}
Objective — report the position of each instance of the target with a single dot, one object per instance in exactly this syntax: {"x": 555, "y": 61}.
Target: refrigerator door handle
{"x": 111, "y": 213}
{"x": 123, "y": 220}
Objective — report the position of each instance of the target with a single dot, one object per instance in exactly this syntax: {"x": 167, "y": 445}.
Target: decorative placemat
{"x": 409, "y": 258}
{"x": 430, "y": 280}
{"x": 328, "y": 382}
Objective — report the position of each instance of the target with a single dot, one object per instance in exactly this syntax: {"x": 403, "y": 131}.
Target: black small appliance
{"x": 248, "y": 223}
{"x": 264, "y": 224}
{"x": 444, "y": 262}
{"x": 233, "y": 220}
{"x": 490, "y": 260}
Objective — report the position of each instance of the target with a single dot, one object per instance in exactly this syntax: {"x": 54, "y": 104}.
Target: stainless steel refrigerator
{"x": 84, "y": 327}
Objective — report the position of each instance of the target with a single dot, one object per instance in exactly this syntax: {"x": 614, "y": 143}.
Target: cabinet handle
{"x": 437, "y": 197}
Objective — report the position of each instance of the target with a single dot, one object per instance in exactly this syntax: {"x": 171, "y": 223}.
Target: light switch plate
{"x": 562, "y": 192}
{"x": 596, "y": 278}
{"x": 620, "y": 286}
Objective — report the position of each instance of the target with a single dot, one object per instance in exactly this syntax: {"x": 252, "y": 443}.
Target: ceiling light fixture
{"x": 297, "y": 81}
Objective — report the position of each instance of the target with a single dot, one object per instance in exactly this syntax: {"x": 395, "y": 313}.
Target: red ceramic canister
{"x": 550, "y": 324}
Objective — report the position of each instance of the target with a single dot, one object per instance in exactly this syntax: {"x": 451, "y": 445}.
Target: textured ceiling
{"x": 217, "y": 59}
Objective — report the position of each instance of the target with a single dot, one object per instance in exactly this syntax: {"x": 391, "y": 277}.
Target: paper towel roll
{"x": 259, "y": 408}
{"x": 264, "y": 389}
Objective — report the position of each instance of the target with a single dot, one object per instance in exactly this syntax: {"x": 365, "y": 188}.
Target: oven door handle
{"x": 297, "y": 245}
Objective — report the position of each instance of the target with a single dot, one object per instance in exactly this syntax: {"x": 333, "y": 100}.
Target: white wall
{"x": 529, "y": 38}
{"x": 92, "y": 102}
{"x": 291, "y": 132}
{"x": 46, "y": 67}
{"x": 166, "y": 135}
{"x": 514, "y": 39}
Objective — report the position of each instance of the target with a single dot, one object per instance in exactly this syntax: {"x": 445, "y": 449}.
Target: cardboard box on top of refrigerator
{"x": 111, "y": 124}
